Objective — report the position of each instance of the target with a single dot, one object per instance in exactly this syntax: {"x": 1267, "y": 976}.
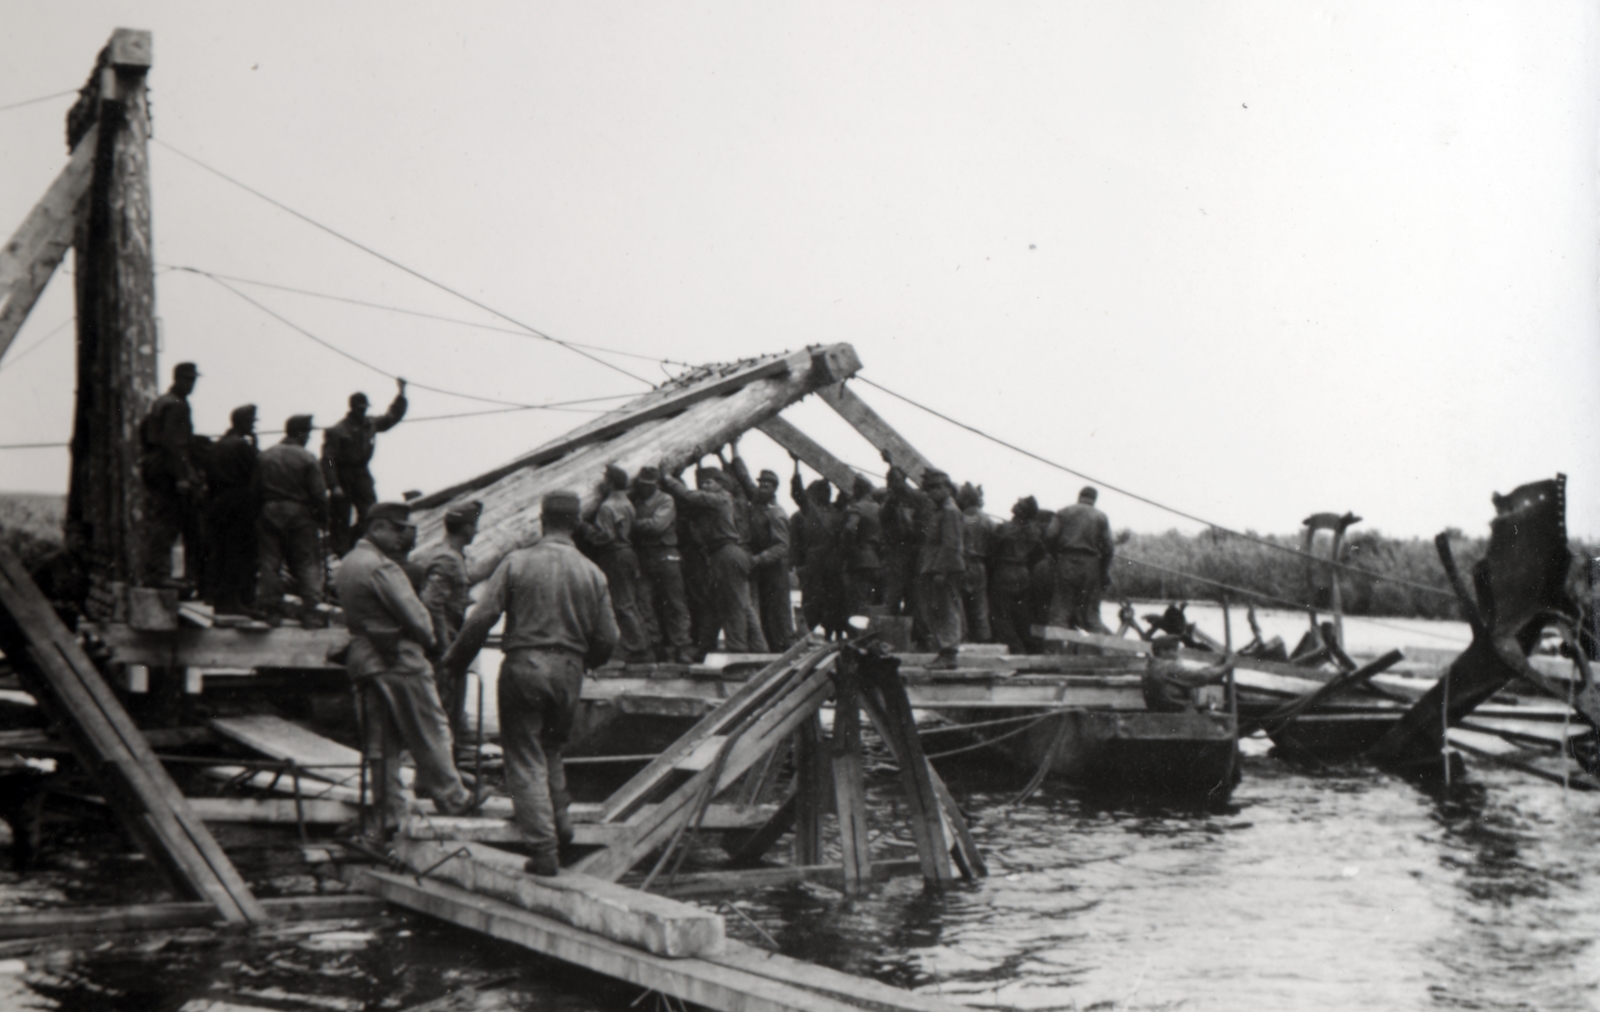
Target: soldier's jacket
{"x": 711, "y": 514}
{"x": 552, "y": 598}
{"x": 348, "y": 444}
{"x": 230, "y": 463}
{"x": 390, "y": 629}
{"x": 942, "y": 552}
{"x": 1080, "y": 528}
{"x": 166, "y": 440}
{"x": 288, "y": 472}
{"x": 446, "y": 592}
{"x": 1016, "y": 543}
{"x": 769, "y": 535}
{"x": 613, "y": 522}
{"x": 655, "y": 522}
{"x": 862, "y": 536}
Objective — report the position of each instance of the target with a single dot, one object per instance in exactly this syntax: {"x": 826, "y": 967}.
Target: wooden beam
{"x": 884, "y": 698}
{"x": 714, "y": 883}
{"x": 305, "y": 649}
{"x": 655, "y": 924}
{"x": 669, "y": 435}
{"x": 37, "y": 246}
{"x": 106, "y": 741}
{"x": 849, "y": 782}
{"x": 811, "y": 453}
{"x": 117, "y": 341}
{"x": 586, "y": 833}
{"x": 1120, "y": 644}
{"x": 877, "y": 431}
{"x": 159, "y": 916}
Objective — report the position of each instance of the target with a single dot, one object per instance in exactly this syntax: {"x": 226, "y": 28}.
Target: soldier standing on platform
{"x": 655, "y": 540}
{"x": 902, "y": 544}
{"x": 975, "y": 545}
{"x": 446, "y": 593}
{"x": 814, "y": 547}
{"x": 559, "y": 621}
{"x": 710, "y": 509}
{"x": 347, "y": 449}
{"x": 294, "y": 505}
{"x": 231, "y": 510}
{"x": 609, "y": 536}
{"x": 769, "y": 556}
{"x": 1016, "y": 545}
{"x": 391, "y": 639}
{"x": 861, "y": 542}
{"x": 941, "y": 569}
{"x": 167, "y": 468}
{"x": 1079, "y": 537}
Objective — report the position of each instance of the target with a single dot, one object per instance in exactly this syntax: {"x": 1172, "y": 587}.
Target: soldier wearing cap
{"x": 769, "y": 555}
{"x": 714, "y": 522}
{"x": 975, "y": 548}
{"x": 862, "y": 545}
{"x": 1079, "y": 539}
{"x": 1016, "y": 545}
{"x": 391, "y": 639}
{"x": 347, "y": 449}
{"x": 446, "y": 593}
{"x": 663, "y": 602}
{"x": 294, "y": 506}
{"x": 231, "y": 509}
{"x": 559, "y": 621}
{"x": 814, "y": 547}
{"x": 175, "y": 485}
{"x": 900, "y": 517}
{"x": 609, "y": 536}
{"x": 940, "y": 569}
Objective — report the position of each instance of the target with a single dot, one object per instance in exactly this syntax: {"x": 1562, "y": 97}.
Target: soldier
{"x": 975, "y": 545}
{"x": 446, "y": 593}
{"x": 861, "y": 542}
{"x": 902, "y": 543}
{"x": 769, "y": 548}
{"x": 655, "y": 541}
{"x": 294, "y": 506}
{"x": 1016, "y": 545}
{"x": 814, "y": 547}
{"x": 231, "y": 510}
{"x": 710, "y": 509}
{"x": 346, "y": 458}
{"x": 559, "y": 621}
{"x": 391, "y": 639}
{"x": 1079, "y": 537}
{"x": 940, "y": 570}
{"x": 741, "y": 491}
{"x": 609, "y": 537}
{"x": 175, "y": 485}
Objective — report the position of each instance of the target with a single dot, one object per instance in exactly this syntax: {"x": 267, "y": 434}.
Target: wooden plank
{"x": 715, "y": 883}
{"x": 885, "y": 700}
{"x": 224, "y": 648}
{"x": 966, "y": 848}
{"x": 1546, "y": 732}
{"x": 876, "y": 431}
{"x": 158, "y": 916}
{"x": 510, "y": 518}
{"x": 1120, "y": 644}
{"x": 655, "y": 924}
{"x": 315, "y": 811}
{"x": 810, "y": 776}
{"x": 273, "y": 736}
{"x": 812, "y": 453}
{"x": 849, "y": 783}
{"x": 694, "y": 980}
{"x": 590, "y": 833}
{"x": 105, "y": 740}
{"x": 29, "y": 259}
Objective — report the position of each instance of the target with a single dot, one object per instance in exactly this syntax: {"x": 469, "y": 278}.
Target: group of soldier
{"x": 688, "y": 568}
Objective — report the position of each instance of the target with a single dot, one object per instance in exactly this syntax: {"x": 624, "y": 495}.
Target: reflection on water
{"x": 1338, "y": 891}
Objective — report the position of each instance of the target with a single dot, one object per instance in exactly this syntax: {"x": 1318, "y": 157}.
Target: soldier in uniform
{"x": 902, "y": 544}
{"x": 446, "y": 593}
{"x": 975, "y": 545}
{"x": 1016, "y": 545}
{"x": 559, "y": 621}
{"x": 814, "y": 547}
{"x": 861, "y": 542}
{"x": 173, "y": 481}
{"x": 711, "y": 512}
{"x": 940, "y": 570}
{"x": 769, "y": 556}
{"x": 609, "y": 538}
{"x": 231, "y": 510}
{"x": 1079, "y": 537}
{"x": 391, "y": 639}
{"x": 346, "y": 460}
{"x": 655, "y": 541}
{"x": 294, "y": 506}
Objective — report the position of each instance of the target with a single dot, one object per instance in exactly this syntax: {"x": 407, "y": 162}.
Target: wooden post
{"x": 31, "y": 256}
{"x": 849, "y": 786}
{"x": 884, "y": 696}
{"x": 115, "y": 283}
{"x": 811, "y": 453}
{"x": 877, "y": 431}
{"x": 808, "y": 773}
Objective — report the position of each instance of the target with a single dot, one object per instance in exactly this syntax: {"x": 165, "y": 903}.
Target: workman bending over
{"x": 391, "y": 638}
{"x": 558, "y": 622}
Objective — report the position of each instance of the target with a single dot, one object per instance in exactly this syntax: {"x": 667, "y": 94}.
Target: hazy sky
{"x": 1254, "y": 260}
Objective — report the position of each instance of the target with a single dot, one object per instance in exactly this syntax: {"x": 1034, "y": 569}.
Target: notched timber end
{"x": 131, "y": 47}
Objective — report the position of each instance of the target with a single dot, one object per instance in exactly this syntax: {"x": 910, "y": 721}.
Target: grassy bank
{"x": 1172, "y": 561}
{"x": 30, "y": 523}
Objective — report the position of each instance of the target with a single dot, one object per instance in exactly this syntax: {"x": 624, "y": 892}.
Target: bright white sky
{"x": 1254, "y": 260}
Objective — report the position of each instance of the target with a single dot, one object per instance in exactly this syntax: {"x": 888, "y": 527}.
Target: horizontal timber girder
{"x": 672, "y": 426}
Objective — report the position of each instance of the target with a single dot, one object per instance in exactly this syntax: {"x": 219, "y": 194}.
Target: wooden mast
{"x": 115, "y": 287}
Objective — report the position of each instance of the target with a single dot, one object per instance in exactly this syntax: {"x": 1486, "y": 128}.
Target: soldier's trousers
{"x": 402, "y": 712}
{"x": 231, "y": 553}
{"x": 1076, "y": 604}
{"x": 621, "y": 567}
{"x": 538, "y": 694}
{"x": 860, "y": 590}
{"x": 940, "y": 597}
{"x": 776, "y": 605}
{"x": 169, "y": 517}
{"x": 730, "y": 585}
{"x": 360, "y": 495}
{"x": 286, "y": 535}
{"x": 1010, "y": 612}
{"x": 975, "y": 601}
{"x": 665, "y": 607}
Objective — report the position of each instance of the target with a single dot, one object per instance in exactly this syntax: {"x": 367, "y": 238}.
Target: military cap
{"x": 769, "y": 475}
{"x": 714, "y": 473}
{"x": 359, "y": 398}
{"x": 557, "y": 504}
{"x": 616, "y": 476}
{"x": 185, "y": 369}
{"x": 1088, "y": 494}
{"x": 933, "y": 476}
{"x": 243, "y": 414}
{"x": 862, "y": 487}
{"x": 394, "y": 512}
{"x": 298, "y": 423}
{"x": 649, "y": 474}
{"x": 469, "y": 510}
